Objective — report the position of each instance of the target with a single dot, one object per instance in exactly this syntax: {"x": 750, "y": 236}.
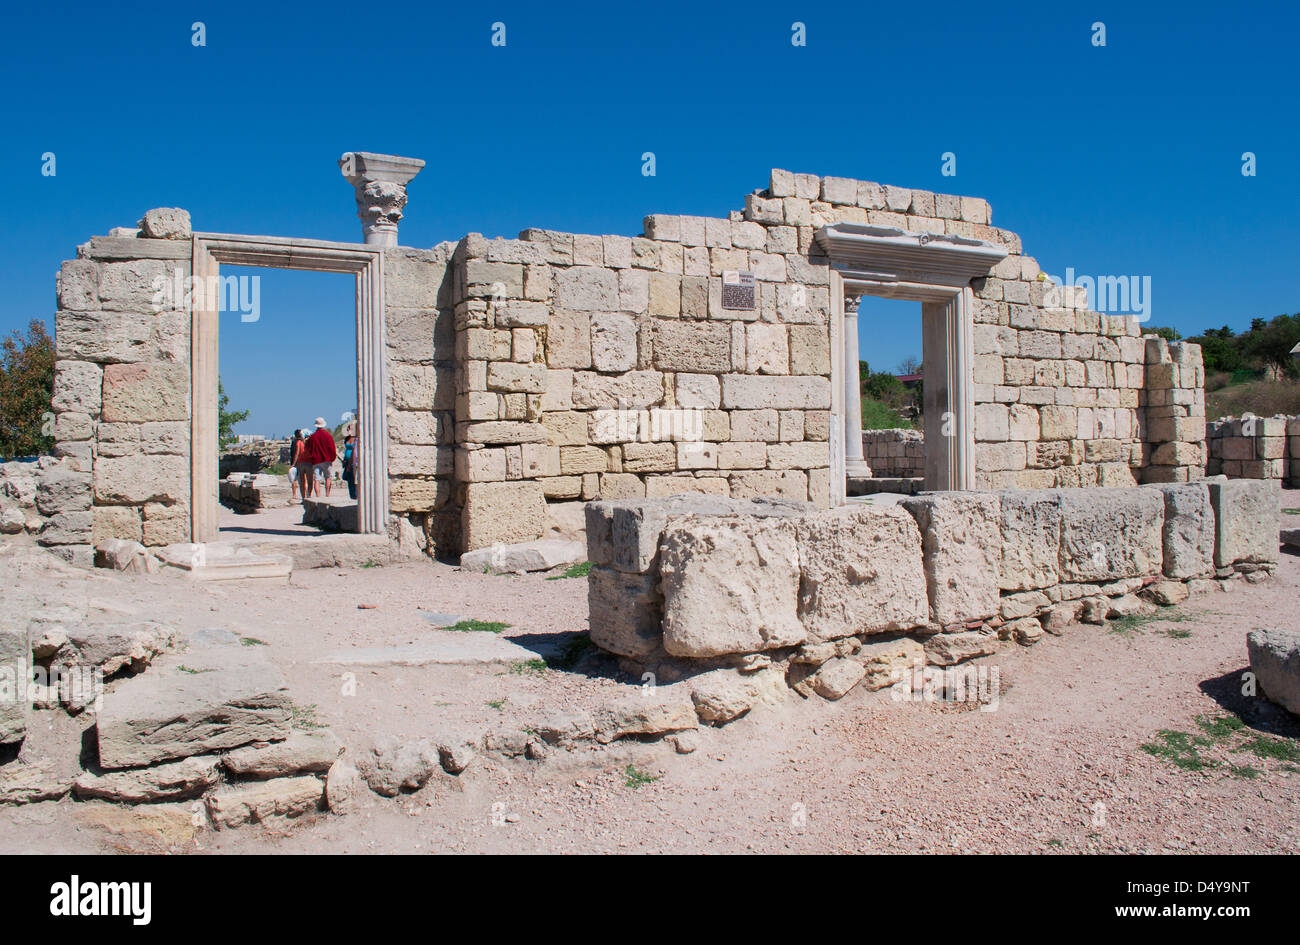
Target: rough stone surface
{"x": 1189, "y": 530}
{"x": 172, "y": 781}
{"x": 625, "y": 612}
{"x": 1247, "y": 516}
{"x": 887, "y": 660}
{"x": 730, "y": 585}
{"x": 265, "y": 801}
{"x": 961, "y": 547}
{"x": 654, "y": 713}
{"x": 1167, "y": 593}
{"x": 540, "y": 555}
{"x": 1031, "y": 539}
{"x": 209, "y": 700}
{"x": 723, "y": 695}
{"x": 1107, "y": 534}
{"x": 860, "y": 572}
{"x": 835, "y": 678}
{"x": 15, "y": 670}
{"x": 945, "y": 649}
{"x": 1275, "y": 661}
{"x": 312, "y": 752}
{"x": 29, "y": 783}
{"x": 394, "y": 765}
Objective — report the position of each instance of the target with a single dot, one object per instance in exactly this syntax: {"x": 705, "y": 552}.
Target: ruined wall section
{"x": 606, "y": 367}
{"x": 1173, "y": 410}
{"x": 420, "y": 338}
{"x": 121, "y": 401}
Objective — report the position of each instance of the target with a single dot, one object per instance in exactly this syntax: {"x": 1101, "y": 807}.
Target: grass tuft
{"x": 634, "y": 777}
{"x": 477, "y": 626}
{"x": 580, "y": 570}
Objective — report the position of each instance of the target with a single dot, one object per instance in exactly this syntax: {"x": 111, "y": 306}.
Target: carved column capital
{"x": 380, "y": 182}
{"x": 851, "y": 303}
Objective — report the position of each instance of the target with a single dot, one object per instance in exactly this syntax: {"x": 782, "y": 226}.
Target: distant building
{"x": 244, "y": 439}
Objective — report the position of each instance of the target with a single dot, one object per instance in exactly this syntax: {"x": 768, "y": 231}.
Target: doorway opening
{"x": 891, "y": 383}
{"x": 350, "y": 400}
{"x": 287, "y": 361}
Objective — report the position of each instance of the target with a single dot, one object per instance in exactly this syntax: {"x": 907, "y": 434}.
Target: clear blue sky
{"x": 1119, "y": 160}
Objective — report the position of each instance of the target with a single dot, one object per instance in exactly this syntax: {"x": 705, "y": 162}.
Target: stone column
{"x": 380, "y": 181}
{"x": 855, "y": 466}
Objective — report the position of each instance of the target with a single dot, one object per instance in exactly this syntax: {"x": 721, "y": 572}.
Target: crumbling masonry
{"x": 704, "y": 355}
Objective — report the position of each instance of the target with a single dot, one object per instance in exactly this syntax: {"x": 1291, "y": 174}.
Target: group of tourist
{"x": 310, "y": 459}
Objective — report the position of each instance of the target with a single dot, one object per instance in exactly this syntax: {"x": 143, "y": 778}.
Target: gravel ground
{"x": 1058, "y": 765}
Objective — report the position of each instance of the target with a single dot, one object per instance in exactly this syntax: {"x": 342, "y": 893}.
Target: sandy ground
{"x": 1057, "y": 766}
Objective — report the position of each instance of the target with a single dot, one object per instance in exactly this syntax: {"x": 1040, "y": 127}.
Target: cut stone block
{"x": 172, "y": 781}
{"x": 1108, "y": 534}
{"x": 1189, "y": 531}
{"x": 207, "y": 700}
{"x": 1031, "y": 540}
{"x": 961, "y": 548}
{"x": 15, "y": 673}
{"x": 887, "y": 661}
{"x": 262, "y": 801}
{"x": 945, "y": 649}
{"x": 730, "y": 585}
{"x": 301, "y": 753}
{"x": 625, "y": 612}
{"x": 541, "y": 555}
{"x": 1247, "y": 519}
{"x": 1275, "y": 661}
{"x": 502, "y": 513}
{"x": 860, "y": 572}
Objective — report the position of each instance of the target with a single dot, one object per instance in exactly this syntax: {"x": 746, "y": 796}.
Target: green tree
{"x": 1169, "y": 334}
{"x": 1271, "y": 343}
{"x": 1220, "y": 350}
{"x": 26, "y": 385}
{"x": 226, "y": 419}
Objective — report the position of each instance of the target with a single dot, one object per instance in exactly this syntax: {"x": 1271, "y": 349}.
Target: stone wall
{"x": 121, "y": 399}
{"x": 1255, "y": 448}
{"x": 894, "y": 453}
{"x": 956, "y": 573}
{"x": 561, "y": 368}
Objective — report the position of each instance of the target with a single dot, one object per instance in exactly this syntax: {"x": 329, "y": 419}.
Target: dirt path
{"x": 1058, "y": 766}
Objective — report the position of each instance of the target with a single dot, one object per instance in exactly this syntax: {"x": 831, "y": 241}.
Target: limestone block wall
{"x": 956, "y": 572}
{"x": 421, "y": 339}
{"x": 1255, "y": 448}
{"x": 121, "y": 399}
{"x": 1174, "y": 411}
{"x": 894, "y": 453}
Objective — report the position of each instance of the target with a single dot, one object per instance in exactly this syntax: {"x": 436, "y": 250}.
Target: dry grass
{"x": 1262, "y": 398}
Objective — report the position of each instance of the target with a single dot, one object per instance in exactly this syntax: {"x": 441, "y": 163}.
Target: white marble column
{"x": 380, "y": 181}
{"x": 855, "y": 466}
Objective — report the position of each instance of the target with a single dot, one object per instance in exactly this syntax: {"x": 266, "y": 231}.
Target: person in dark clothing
{"x": 350, "y": 464}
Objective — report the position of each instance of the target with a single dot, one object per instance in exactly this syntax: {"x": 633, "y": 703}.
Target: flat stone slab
{"x": 441, "y": 620}
{"x": 203, "y": 701}
{"x": 224, "y": 561}
{"x": 450, "y": 648}
{"x": 540, "y": 555}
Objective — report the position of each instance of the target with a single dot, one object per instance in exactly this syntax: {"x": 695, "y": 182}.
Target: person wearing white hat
{"x": 319, "y": 450}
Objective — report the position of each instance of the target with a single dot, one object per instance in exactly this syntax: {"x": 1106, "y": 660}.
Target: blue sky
{"x": 1119, "y": 160}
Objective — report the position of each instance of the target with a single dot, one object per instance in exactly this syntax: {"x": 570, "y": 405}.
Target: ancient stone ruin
{"x": 503, "y": 378}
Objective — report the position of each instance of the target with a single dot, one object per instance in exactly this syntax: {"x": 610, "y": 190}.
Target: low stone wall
{"x": 898, "y": 454}
{"x": 943, "y": 577}
{"x": 250, "y": 493}
{"x": 1255, "y": 448}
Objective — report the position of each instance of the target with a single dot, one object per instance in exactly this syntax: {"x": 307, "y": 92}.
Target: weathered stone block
{"x": 1031, "y": 540}
{"x": 587, "y": 289}
{"x": 136, "y": 393}
{"x": 1188, "y": 535}
{"x": 613, "y": 342}
{"x": 15, "y": 675}
{"x": 502, "y": 513}
{"x": 697, "y": 347}
{"x": 961, "y": 547}
{"x": 137, "y": 479}
{"x": 625, "y": 610}
{"x": 1247, "y": 518}
{"x": 78, "y": 387}
{"x": 730, "y": 585}
{"x": 748, "y": 392}
{"x": 1107, "y": 534}
{"x": 568, "y": 340}
{"x": 860, "y": 572}
{"x": 226, "y": 699}
{"x": 1275, "y": 661}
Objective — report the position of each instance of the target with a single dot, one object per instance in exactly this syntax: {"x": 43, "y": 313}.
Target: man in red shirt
{"x": 320, "y": 452}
